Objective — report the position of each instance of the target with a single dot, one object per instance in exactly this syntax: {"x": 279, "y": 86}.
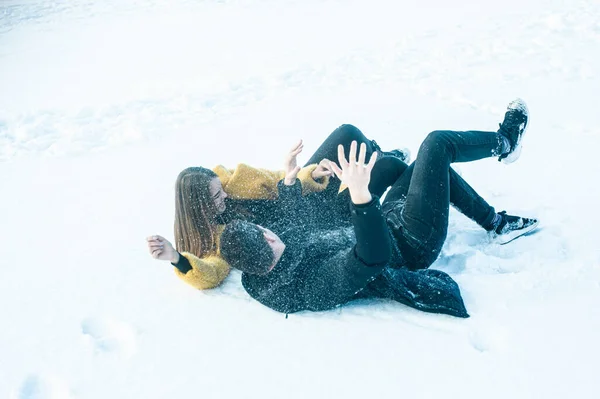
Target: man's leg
{"x": 386, "y": 171}
{"x": 462, "y": 196}
{"x": 344, "y": 135}
{"x": 334, "y": 207}
{"x": 424, "y": 217}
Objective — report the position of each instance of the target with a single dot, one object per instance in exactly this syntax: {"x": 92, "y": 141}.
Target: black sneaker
{"x": 512, "y": 227}
{"x": 401, "y": 154}
{"x": 513, "y": 128}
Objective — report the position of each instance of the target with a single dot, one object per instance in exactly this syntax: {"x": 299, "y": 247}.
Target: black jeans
{"x": 420, "y": 199}
{"x": 386, "y": 171}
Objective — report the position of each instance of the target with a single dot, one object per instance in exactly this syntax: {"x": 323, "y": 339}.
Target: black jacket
{"x": 321, "y": 268}
{"x": 324, "y": 268}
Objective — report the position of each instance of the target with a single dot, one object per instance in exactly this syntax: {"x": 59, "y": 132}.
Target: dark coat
{"x": 324, "y": 268}
{"x": 320, "y": 268}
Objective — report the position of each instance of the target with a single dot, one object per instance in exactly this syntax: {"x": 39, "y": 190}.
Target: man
{"x": 383, "y": 253}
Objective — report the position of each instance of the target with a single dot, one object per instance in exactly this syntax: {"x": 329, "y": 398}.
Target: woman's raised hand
{"x": 290, "y": 166}
{"x": 160, "y": 248}
{"x": 322, "y": 170}
{"x": 355, "y": 173}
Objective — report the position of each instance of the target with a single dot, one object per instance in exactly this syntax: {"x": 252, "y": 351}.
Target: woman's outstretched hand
{"x": 355, "y": 173}
{"x": 160, "y": 248}
{"x": 290, "y": 166}
{"x": 322, "y": 170}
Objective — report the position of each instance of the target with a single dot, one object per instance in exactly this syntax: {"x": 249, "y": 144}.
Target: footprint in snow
{"x": 109, "y": 336}
{"x": 42, "y": 387}
{"x": 491, "y": 337}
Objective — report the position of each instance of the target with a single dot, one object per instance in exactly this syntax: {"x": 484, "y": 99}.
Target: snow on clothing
{"x": 331, "y": 209}
{"x": 252, "y": 195}
{"x": 418, "y": 204}
{"x": 246, "y": 182}
{"x": 254, "y": 191}
{"x": 324, "y": 268}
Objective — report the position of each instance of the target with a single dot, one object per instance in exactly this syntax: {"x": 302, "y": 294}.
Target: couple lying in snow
{"x": 306, "y": 240}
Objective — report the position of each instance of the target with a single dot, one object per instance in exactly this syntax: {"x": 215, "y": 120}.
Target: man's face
{"x": 276, "y": 245}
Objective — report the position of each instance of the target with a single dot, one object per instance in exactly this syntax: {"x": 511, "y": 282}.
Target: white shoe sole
{"x": 513, "y": 235}
{"x": 516, "y": 153}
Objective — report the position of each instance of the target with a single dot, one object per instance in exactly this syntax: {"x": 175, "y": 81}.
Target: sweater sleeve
{"x": 291, "y": 200}
{"x": 310, "y": 185}
{"x": 246, "y": 182}
{"x": 205, "y": 273}
{"x": 373, "y": 246}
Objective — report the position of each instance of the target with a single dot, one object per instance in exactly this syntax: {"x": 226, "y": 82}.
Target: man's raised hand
{"x": 355, "y": 173}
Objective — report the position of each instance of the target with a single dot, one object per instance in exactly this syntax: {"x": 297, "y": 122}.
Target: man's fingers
{"x": 342, "y": 157}
{"x": 352, "y": 155}
{"x": 336, "y": 169}
{"x": 362, "y": 154}
{"x": 371, "y": 163}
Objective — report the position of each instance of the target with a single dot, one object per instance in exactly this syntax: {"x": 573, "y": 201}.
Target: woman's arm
{"x": 246, "y": 182}
{"x": 201, "y": 273}
{"x": 205, "y": 273}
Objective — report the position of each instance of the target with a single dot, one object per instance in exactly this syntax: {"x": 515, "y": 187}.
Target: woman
{"x": 205, "y": 200}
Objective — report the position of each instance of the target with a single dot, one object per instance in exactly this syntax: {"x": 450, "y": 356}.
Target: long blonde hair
{"x": 195, "y": 212}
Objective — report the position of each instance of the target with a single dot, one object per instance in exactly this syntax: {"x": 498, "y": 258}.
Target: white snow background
{"x": 103, "y": 103}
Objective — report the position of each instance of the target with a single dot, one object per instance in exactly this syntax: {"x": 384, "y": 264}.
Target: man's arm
{"x": 372, "y": 238}
{"x": 347, "y": 270}
{"x": 373, "y": 246}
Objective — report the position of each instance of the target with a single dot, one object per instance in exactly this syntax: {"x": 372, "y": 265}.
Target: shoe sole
{"x": 513, "y": 235}
{"x": 516, "y": 153}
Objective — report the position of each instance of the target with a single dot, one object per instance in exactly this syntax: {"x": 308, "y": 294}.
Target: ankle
{"x": 503, "y": 143}
{"x": 495, "y": 223}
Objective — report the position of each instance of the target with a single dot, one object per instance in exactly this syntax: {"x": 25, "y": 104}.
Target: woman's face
{"x": 218, "y": 194}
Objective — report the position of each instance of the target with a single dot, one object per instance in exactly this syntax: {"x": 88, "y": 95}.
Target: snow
{"x": 103, "y": 103}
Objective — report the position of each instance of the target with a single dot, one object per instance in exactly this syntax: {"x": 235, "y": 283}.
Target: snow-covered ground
{"x": 103, "y": 103}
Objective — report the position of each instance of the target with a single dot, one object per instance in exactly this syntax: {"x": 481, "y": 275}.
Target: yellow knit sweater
{"x": 243, "y": 182}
